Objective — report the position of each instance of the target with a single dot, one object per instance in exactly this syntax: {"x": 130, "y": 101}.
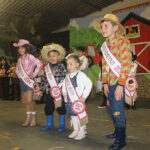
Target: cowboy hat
{"x": 50, "y": 47}
{"x": 108, "y": 17}
{"x": 21, "y": 42}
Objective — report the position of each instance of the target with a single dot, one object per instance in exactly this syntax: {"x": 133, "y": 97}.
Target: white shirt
{"x": 133, "y": 69}
{"x": 84, "y": 64}
{"x": 84, "y": 84}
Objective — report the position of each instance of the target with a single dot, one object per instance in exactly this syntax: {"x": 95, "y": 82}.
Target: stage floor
{"x": 15, "y": 137}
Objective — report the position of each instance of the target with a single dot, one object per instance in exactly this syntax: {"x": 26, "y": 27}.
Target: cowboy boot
{"x": 81, "y": 133}
{"x": 61, "y": 123}
{"x": 28, "y": 119}
{"x": 75, "y": 124}
{"x": 120, "y": 141}
{"x": 50, "y": 123}
{"x": 33, "y": 122}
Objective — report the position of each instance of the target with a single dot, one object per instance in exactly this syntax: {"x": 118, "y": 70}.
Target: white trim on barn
{"x": 147, "y": 44}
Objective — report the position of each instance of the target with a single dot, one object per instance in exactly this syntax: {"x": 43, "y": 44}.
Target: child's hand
{"x": 119, "y": 92}
{"x": 65, "y": 98}
{"x": 82, "y": 99}
{"x": 40, "y": 93}
{"x": 31, "y": 76}
{"x": 106, "y": 89}
{"x": 53, "y": 72}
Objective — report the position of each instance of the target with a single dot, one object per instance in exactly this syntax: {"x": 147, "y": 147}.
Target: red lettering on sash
{"x": 78, "y": 106}
{"x": 27, "y": 80}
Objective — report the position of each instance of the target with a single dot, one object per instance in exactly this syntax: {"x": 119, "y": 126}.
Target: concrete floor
{"x": 15, "y": 137}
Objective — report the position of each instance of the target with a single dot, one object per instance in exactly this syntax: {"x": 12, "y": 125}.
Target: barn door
{"x": 142, "y": 50}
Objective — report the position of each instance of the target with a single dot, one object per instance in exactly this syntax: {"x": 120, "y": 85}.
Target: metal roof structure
{"x": 54, "y": 13}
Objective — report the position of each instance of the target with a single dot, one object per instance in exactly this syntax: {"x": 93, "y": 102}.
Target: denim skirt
{"x": 24, "y": 87}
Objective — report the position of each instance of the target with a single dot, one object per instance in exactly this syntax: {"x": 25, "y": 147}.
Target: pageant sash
{"x": 78, "y": 106}
{"x": 111, "y": 60}
{"x": 29, "y": 82}
{"x": 55, "y": 90}
{"x": 131, "y": 86}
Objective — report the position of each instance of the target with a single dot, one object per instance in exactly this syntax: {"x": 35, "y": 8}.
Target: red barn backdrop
{"x": 137, "y": 30}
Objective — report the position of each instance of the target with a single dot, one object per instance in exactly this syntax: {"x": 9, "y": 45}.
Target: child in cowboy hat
{"x": 116, "y": 64}
{"x": 54, "y": 74}
{"x": 31, "y": 66}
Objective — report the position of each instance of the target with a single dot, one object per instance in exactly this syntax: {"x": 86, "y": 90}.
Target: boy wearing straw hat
{"x": 116, "y": 64}
{"x": 51, "y": 82}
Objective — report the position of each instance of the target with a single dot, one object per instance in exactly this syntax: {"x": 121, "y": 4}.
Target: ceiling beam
{"x": 91, "y": 5}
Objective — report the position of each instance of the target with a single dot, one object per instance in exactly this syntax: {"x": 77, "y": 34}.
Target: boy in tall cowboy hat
{"x": 51, "y": 82}
{"x": 116, "y": 64}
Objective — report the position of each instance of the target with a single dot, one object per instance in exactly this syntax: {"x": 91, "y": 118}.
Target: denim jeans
{"x": 116, "y": 107}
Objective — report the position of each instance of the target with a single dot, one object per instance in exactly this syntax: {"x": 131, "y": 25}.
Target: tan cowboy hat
{"x": 111, "y": 17}
{"x": 47, "y": 48}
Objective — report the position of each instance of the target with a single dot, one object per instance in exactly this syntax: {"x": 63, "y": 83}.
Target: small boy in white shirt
{"x": 83, "y": 60}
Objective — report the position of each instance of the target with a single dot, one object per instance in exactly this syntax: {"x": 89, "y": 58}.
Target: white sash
{"x": 22, "y": 74}
{"x": 29, "y": 82}
{"x": 55, "y": 90}
{"x": 111, "y": 60}
{"x": 78, "y": 106}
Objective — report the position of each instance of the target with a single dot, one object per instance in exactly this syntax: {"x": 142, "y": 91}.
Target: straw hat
{"x": 47, "y": 48}
{"x": 111, "y": 17}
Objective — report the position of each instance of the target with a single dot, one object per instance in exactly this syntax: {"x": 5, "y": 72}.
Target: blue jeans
{"x": 116, "y": 108}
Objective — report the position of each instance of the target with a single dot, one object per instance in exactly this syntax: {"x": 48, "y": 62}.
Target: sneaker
{"x": 102, "y": 106}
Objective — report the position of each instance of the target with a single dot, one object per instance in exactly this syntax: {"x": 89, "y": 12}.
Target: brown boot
{"x": 33, "y": 122}
{"x": 28, "y": 119}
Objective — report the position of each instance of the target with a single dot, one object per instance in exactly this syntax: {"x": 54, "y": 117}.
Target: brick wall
{"x": 143, "y": 87}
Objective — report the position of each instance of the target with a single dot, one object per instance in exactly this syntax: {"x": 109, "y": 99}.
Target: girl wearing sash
{"x": 76, "y": 88}
{"x": 27, "y": 68}
{"x": 51, "y": 83}
{"x": 116, "y": 65}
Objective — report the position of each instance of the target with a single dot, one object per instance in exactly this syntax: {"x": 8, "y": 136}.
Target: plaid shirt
{"x": 60, "y": 73}
{"x": 120, "y": 48}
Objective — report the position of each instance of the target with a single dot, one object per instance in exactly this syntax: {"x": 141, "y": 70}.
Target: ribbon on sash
{"x": 78, "y": 106}
{"x": 29, "y": 82}
{"x": 111, "y": 60}
{"x": 55, "y": 89}
{"x": 131, "y": 86}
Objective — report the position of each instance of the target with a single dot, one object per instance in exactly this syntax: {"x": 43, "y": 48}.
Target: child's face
{"x": 108, "y": 29}
{"x": 21, "y": 50}
{"x": 72, "y": 65}
{"x": 3, "y": 61}
{"x": 80, "y": 53}
{"x": 53, "y": 57}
